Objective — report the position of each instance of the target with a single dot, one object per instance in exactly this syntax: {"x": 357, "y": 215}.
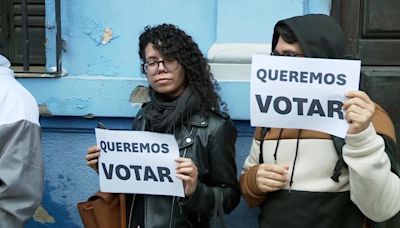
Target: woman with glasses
{"x": 184, "y": 102}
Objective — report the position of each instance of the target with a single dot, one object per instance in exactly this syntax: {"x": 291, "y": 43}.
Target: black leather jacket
{"x": 210, "y": 143}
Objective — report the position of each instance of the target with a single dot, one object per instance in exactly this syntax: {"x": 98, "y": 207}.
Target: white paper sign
{"x": 138, "y": 162}
{"x": 302, "y": 93}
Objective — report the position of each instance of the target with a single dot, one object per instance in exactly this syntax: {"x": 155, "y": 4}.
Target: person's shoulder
{"x": 213, "y": 118}
{"x": 220, "y": 118}
{"x": 214, "y": 123}
{"x": 219, "y": 115}
{"x": 209, "y": 118}
{"x": 17, "y": 103}
{"x": 139, "y": 115}
{"x": 223, "y": 115}
{"x": 143, "y": 109}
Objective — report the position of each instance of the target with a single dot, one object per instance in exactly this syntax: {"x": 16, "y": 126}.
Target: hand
{"x": 271, "y": 177}
{"x": 186, "y": 170}
{"x": 92, "y": 156}
{"x": 359, "y": 110}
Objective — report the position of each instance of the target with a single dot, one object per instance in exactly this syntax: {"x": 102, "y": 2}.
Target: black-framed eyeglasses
{"x": 287, "y": 53}
{"x": 151, "y": 67}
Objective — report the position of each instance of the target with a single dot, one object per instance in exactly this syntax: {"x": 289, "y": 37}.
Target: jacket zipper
{"x": 131, "y": 211}
{"x": 173, "y": 201}
{"x": 174, "y": 198}
{"x": 144, "y": 213}
{"x": 172, "y": 212}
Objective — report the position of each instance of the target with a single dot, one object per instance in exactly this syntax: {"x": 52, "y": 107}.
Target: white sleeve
{"x": 373, "y": 187}
{"x": 252, "y": 158}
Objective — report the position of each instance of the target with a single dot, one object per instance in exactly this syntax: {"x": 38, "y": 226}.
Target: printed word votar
{"x": 283, "y": 105}
{"x": 137, "y": 172}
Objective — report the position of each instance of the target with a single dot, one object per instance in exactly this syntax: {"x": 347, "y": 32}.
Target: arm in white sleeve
{"x": 373, "y": 187}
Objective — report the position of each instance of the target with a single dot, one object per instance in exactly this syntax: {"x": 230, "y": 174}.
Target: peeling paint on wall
{"x": 107, "y": 36}
{"x": 41, "y": 215}
{"x": 44, "y": 111}
{"x": 88, "y": 116}
{"x": 139, "y": 95}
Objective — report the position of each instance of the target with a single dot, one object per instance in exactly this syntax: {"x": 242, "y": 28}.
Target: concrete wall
{"x": 102, "y": 65}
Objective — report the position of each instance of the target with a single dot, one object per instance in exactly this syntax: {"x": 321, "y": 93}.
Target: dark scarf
{"x": 163, "y": 114}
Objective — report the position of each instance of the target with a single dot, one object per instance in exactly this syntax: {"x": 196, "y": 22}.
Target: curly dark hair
{"x": 172, "y": 42}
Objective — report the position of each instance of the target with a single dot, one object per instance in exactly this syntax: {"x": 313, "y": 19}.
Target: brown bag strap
{"x": 122, "y": 205}
{"x": 109, "y": 198}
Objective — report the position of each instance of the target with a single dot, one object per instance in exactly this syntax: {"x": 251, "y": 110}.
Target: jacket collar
{"x": 199, "y": 120}
{"x": 184, "y": 137}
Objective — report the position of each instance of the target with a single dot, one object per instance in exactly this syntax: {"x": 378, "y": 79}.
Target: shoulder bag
{"x": 103, "y": 210}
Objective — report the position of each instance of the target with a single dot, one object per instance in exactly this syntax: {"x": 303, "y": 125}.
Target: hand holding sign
{"x": 271, "y": 177}
{"x": 186, "y": 170}
{"x": 92, "y": 157}
{"x": 359, "y": 110}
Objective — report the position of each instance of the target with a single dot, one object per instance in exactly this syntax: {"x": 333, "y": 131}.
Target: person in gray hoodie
{"x": 21, "y": 164}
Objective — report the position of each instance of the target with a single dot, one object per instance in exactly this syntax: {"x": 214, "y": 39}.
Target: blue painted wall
{"x": 84, "y": 23}
{"x": 102, "y": 74}
{"x": 243, "y": 21}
